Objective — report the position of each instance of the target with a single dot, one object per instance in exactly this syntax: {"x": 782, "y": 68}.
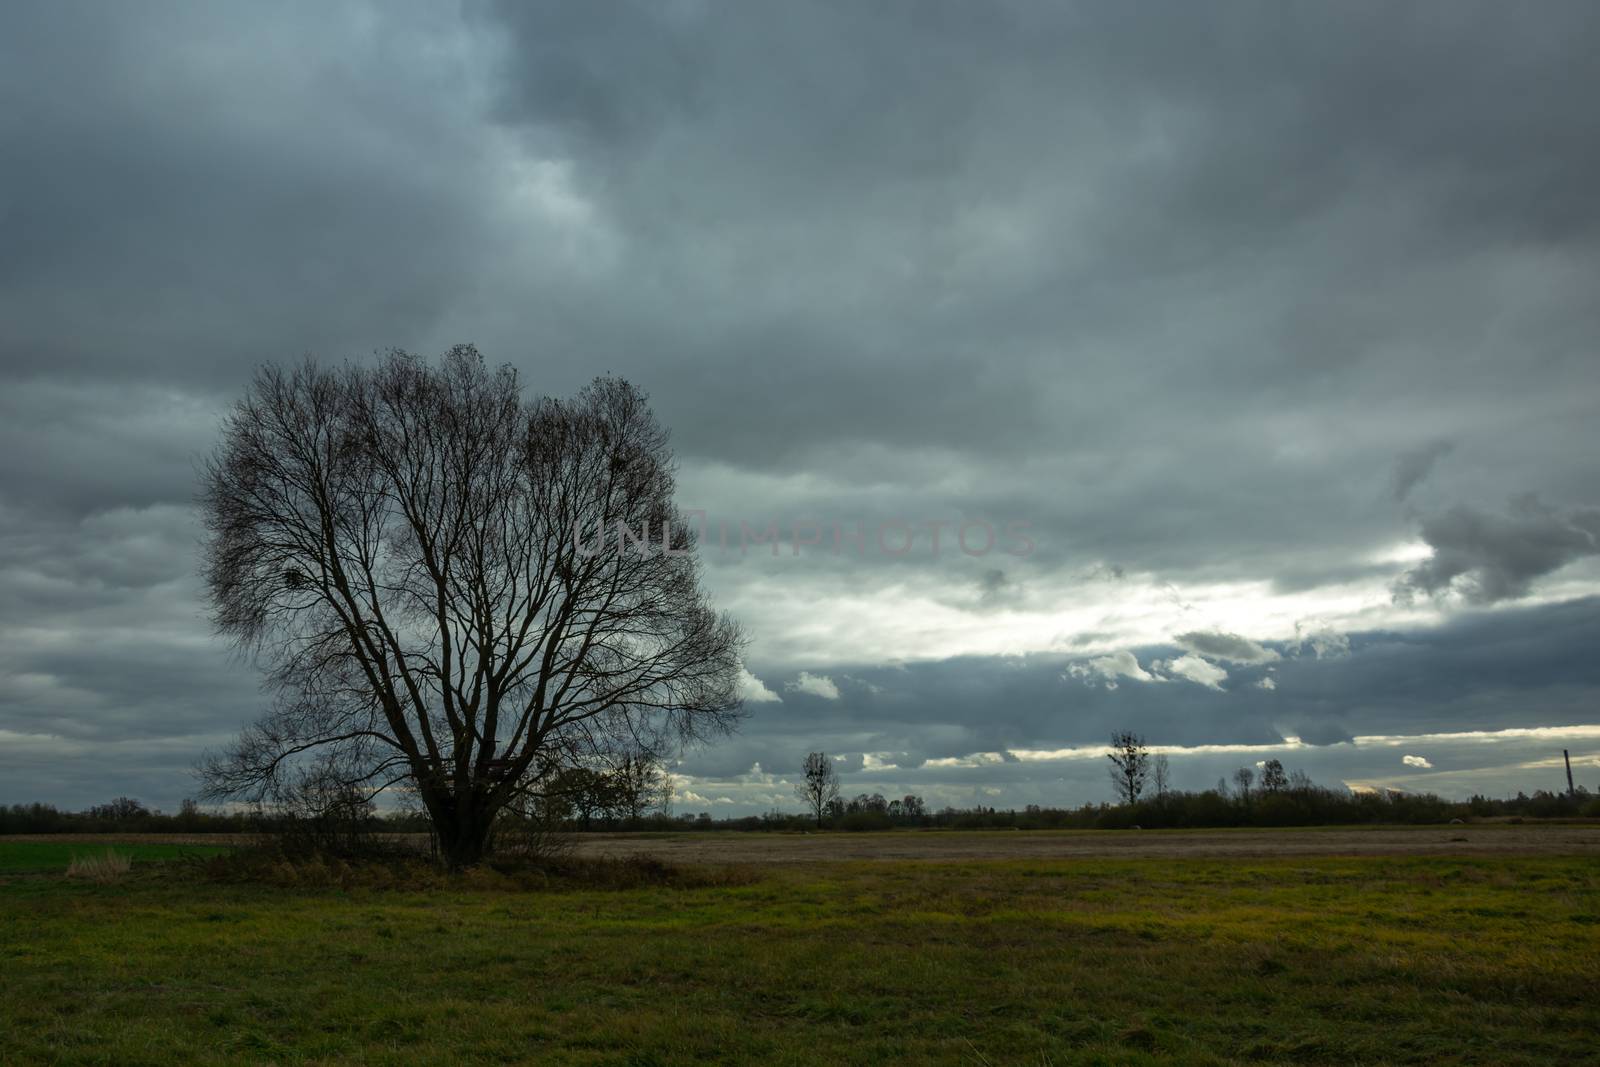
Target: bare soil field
{"x": 957, "y": 846}
{"x": 968, "y": 845}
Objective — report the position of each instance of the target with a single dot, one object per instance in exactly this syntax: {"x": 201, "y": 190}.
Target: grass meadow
{"x": 1373, "y": 959}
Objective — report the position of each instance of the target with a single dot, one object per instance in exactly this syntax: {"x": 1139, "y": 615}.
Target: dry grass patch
{"x": 107, "y": 867}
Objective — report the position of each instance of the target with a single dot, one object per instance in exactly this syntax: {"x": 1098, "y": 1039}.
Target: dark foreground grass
{"x": 1373, "y": 960}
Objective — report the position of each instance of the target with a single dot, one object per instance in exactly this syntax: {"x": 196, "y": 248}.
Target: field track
{"x": 968, "y": 845}
{"x": 1479, "y": 839}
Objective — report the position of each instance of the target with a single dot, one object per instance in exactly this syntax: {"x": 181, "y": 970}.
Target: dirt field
{"x": 963, "y": 845}
{"x": 1478, "y": 839}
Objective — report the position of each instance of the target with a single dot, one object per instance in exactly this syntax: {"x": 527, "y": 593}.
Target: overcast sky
{"x": 1261, "y": 337}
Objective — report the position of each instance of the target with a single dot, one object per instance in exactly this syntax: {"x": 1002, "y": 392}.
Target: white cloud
{"x": 1197, "y": 670}
{"x": 753, "y": 690}
{"x": 1266, "y": 683}
{"x": 1416, "y": 761}
{"x": 976, "y": 759}
{"x": 1322, "y": 641}
{"x": 818, "y": 685}
{"x": 1290, "y": 744}
{"x": 1108, "y": 669}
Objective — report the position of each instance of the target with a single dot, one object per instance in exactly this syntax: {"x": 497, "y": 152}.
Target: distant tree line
{"x": 1314, "y": 806}
{"x": 1300, "y": 803}
{"x": 635, "y": 794}
{"x": 1279, "y": 797}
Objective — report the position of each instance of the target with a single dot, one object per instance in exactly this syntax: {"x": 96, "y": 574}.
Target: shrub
{"x": 622, "y": 872}
{"x": 267, "y": 864}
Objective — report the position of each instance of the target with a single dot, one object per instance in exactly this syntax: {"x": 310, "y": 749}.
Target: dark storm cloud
{"x": 868, "y": 137}
{"x": 1123, "y": 271}
{"x": 1485, "y": 557}
{"x": 1196, "y": 290}
{"x": 1414, "y": 465}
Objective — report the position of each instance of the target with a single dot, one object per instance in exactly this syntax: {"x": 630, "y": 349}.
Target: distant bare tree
{"x": 424, "y": 566}
{"x": 122, "y": 809}
{"x": 638, "y": 783}
{"x": 1161, "y": 771}
{"x": 579, "y": 793}
{"x": 873, "y": 804}
{"x": 819, "y": 785}
{"x": 1130, "y": 763}
{"x": 1273, "y": 778}
{"x": 1243, "y": 779}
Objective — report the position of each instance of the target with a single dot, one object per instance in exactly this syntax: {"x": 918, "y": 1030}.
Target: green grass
{"x": 1371, "y": 960}
{"x": 20, "y": 856}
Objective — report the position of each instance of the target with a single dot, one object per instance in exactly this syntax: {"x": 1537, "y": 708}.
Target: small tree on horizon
{"x": 638, "y": 783}
{"x": 819, "y": 785}
{"x": 1130, "y": 764}
{"x": 1273, "y": 778}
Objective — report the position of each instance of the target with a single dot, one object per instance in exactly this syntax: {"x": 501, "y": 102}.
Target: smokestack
{"x": 1571, "y": 792}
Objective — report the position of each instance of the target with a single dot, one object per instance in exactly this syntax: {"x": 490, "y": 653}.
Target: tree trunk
{"x": 464, "y": 841}
{"x": 463, "y": 825}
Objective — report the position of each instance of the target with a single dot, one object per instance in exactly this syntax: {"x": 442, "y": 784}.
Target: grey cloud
{"x": 193, "y": 189}
{"x": 1485, "y": 558}
{"x": 1229, "y": 647}
{"x": 997, "y": 590}
{"x": 1413, "y": 466}
{"x": 848, "y": 763}
{"x": 1143, "y": 156}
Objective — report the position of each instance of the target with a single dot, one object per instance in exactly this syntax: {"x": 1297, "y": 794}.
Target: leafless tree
{"x": 819, "y": 788}
{"x": 1273, "y": 778}
{"x": 871, "y": 804}
{"x": 579, "y": 793}
{"x": 1161, "y": 771}
{"x": 637, "y": 784}
{"x": 1243, "y": 779}
{"x": 323, "y": 813}
{"x": 447, "y": 589}
{"x": 1130, "y": 764}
